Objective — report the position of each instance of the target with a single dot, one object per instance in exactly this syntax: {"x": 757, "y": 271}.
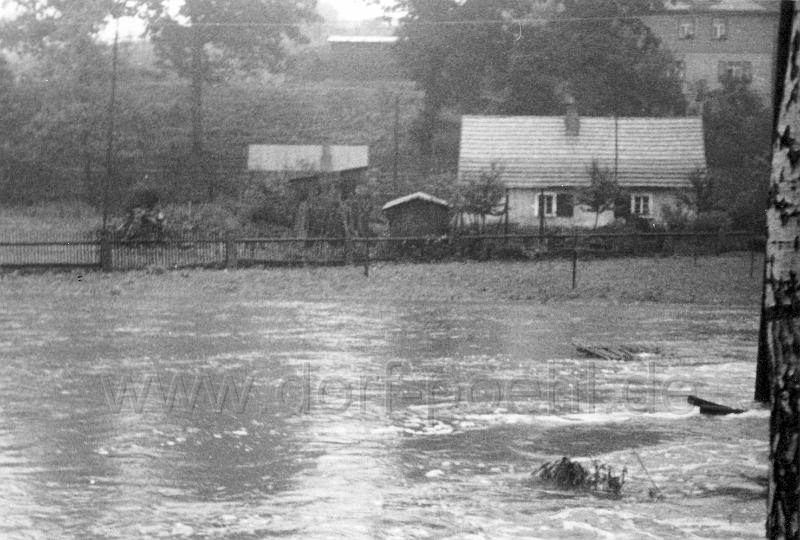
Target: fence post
{"x": 574, "y": 260}
{"x": 105, "y": 252}
{"x": 366, "y": 257}
{"x": 231, "y": 256}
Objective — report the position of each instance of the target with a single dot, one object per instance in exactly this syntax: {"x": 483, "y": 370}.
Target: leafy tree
{"x": 208, "y": 39}
{"x": 452, "y": 60}
{"x": 480, "y": 195}
{"x": 737, "y": 130}
{"x": 598, "y": 53}
{"x": 601, "y": 193}
{"x": 73, "y": 65}
{"x": 704, "y": 196}
{"x": 477, "y": 57}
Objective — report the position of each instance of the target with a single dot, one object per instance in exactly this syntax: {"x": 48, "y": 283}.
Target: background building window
{"x": 719, "y": 29}
{"x": 686, "y": 29}
{"x": 641, "y": 205}
{"x": 738, "y": 71}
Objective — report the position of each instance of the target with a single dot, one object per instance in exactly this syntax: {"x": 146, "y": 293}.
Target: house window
{"x": 545, "y": 202}
{"x": 719, "y": 29}
{"x": 640, "y": 205}
{"x": 738, "y": 71}
{"x": 686, "y": 29}
{"x": 554, "y": 204}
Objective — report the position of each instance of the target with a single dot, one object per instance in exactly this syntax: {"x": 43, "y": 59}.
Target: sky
{"x": 346, "y": 10}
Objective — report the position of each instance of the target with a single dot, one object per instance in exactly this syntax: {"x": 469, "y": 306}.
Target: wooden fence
{"x": 230, "y": 252}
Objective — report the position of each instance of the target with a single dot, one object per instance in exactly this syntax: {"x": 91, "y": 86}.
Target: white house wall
{"x": 523, "y": 208}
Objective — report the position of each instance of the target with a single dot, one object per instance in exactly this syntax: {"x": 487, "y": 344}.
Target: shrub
{"x": 711, "y": 221}
{"x": 678, "y": 218}
{"x": 208, "y": 218}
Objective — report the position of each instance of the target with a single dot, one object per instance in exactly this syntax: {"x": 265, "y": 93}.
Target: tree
{"x": 601, "y": 193}
{"x": 737, "y": 127}
{"x": 782, "y": 291}
{"x": 486, "y": 56}
{"x": 600, "y": 54}
{"x": 63, "y": 37}
{"x": 453, "y": 50}
{"x": 208, "y": 39}
{"x": 704, "y": 196}
{"x": 481, "y": 195}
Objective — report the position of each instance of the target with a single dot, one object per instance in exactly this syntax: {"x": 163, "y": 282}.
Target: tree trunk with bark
{"x": 782, "y": 301}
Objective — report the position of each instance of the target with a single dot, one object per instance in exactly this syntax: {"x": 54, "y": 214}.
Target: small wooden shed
{"x": 417, "y": 214}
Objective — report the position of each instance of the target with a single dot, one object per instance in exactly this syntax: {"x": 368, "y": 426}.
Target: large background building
{"x": 711, "y": 39}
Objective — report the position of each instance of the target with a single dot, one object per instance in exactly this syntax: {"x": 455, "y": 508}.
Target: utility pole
{"x": 396, "y": 139}
{"x": 110, "y": 133}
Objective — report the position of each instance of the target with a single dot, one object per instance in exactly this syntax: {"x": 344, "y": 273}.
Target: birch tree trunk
{"x": 782, "y": 301}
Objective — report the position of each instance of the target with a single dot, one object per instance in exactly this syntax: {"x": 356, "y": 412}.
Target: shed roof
{"x": 537, "y": 152}
{"x": 306, "y": 158}
{"x": 418, "y": 196}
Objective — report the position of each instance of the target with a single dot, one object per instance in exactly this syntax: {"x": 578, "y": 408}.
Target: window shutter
{"x": 564, "y": 207}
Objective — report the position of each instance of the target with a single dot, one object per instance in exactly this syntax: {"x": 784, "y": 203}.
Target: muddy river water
{"x": 207, "y": 418}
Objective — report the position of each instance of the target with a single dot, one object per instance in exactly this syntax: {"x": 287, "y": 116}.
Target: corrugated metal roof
{"x": 418, "y": 196}
{"x": 306, "y": 157}
{"x": 535, "y": 151}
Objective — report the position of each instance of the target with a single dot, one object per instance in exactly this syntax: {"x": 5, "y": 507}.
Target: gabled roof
{"x": 418, "y": 196}
{"x": 306, "y": 158}
{"x": 537, "y": 152}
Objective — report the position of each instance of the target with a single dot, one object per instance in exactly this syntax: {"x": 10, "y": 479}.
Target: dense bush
{"x": 711, "y": 222}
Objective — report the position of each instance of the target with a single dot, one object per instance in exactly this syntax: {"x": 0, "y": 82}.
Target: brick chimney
{"x": 572, "y": 121}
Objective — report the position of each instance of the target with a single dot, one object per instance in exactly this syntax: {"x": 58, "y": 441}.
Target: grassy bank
{"x": 722, "y": 280}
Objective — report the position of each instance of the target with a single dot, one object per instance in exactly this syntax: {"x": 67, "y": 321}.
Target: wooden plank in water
{"x": 605, "y": 352}
{"x": 711, "y": 408}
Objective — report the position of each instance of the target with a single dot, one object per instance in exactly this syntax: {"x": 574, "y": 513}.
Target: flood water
{"x": 379, "y": 420}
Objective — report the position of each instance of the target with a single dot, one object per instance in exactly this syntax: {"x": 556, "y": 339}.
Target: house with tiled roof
{"x": 545, "y": 160}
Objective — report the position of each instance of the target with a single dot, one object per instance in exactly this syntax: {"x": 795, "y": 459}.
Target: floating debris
{"x": 616, "y": 352}
{"x": 570, "y": 475}
{"x": 711, "y": 408}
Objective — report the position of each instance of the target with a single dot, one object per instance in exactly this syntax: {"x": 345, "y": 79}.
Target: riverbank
{"x": 719, "y": 280}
